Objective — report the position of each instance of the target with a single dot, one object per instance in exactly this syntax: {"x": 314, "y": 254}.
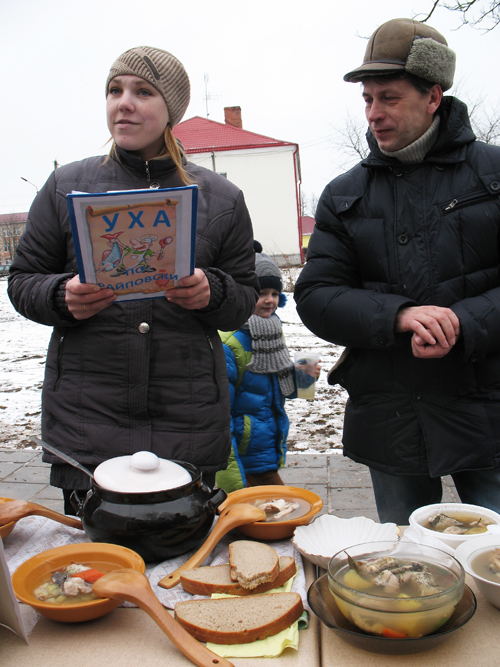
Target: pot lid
{"x": 143, "y": 472}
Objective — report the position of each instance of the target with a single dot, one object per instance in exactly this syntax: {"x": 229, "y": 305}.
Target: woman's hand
{"x": 192, "y": 292}
{"x": 86, "y": 299}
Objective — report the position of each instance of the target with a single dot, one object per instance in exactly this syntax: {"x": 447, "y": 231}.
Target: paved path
{"x": 345, "y": 487}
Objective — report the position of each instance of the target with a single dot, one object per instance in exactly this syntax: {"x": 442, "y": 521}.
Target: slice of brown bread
{"x": 252, "y": 563}
{"x": 217, "y": 579}
{"x": 239, "y": 620}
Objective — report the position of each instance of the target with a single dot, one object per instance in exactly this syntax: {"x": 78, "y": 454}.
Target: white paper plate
{"x": 328, "y": 534}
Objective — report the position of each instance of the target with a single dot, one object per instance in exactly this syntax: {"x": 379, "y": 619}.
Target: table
{"x": 129, "y": 638}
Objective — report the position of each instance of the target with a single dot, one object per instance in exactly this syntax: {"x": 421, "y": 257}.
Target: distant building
{"x": 306, "y": 227}
{"x": 12, "y": 225}
{"x": 266, "y": 169}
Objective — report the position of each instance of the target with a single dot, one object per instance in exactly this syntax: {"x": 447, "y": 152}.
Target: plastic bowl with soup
{"x": 453, "y": 523}
{"x": 481, "y": 560}
{"x": 396, "y": 589}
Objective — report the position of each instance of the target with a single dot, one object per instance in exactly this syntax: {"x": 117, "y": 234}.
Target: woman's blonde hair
{"x": 172, "y": 149}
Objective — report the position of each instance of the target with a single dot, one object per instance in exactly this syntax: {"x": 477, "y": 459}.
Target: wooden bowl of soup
{"x": 6, "y": 530}
{"x": 481, "y": 560}
{"x": 453, "y": 523}
{"x": 396, "y": 590}
{"x": 286, "y": 508}
{"x": 37, "y": 573}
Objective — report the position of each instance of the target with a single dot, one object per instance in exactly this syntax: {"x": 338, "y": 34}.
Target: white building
{"x": 267, "y": 170}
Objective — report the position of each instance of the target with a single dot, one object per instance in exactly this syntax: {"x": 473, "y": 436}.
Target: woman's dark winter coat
{"x": 139, "y": 375}
{"x": 390, "y": 235}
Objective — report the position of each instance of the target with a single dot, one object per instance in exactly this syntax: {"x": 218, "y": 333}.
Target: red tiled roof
{"x": 200, "y": 135}
{"x": 307, "y": 224}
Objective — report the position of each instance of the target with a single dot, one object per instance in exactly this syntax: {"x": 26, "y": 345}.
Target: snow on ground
{"x": 315, "y": 426}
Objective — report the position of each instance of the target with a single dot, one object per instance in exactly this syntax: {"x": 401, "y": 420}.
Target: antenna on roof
{"x": 208, "y": 96}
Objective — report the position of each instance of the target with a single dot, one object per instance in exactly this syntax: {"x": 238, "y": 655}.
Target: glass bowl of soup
{"x": 453, "y": 523}
{"x": 31, "y": 579}
{"x": 481, "y": 560}
{"x": 396, "y": 590}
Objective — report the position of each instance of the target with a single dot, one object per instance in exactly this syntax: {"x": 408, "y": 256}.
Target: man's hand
{"x": 86, "y": 299}
{"x": 192, "y": 292}
{"x": 435, "y": 330}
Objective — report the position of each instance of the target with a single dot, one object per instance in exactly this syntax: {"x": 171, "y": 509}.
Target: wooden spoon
{"x": 232, "y": 517}
{"x": 13, "y": 510}
{"x": 134, "y": 586}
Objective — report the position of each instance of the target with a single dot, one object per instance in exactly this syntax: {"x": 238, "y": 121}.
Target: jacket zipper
{"x": 214, "y": 374}
{"x": 148, "y": 175}
{"x": 59, "y": 360}
{"x": 459, "y": 202}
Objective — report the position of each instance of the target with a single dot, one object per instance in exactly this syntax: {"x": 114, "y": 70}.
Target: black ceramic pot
{"x": 157, "y": 525}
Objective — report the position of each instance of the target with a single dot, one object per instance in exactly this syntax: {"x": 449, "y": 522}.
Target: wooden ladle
{"x": 134, "y": 586}
{"x": 13, "y": 510}
{"x": 232, "y": 517}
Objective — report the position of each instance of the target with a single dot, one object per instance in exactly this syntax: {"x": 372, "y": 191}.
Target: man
{"x": 403, "y": 270}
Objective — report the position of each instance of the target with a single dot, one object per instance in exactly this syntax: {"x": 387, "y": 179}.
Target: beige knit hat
{"x": 405, "y": 45}
{"x": 162, "y": 70}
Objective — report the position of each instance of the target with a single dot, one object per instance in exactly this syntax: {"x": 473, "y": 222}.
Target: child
{"x": 260, "y": 373}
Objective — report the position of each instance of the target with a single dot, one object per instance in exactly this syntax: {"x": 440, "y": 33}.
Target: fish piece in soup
{"x": 390, "y": 577}
{"x": 66, "y": 587}
{"x": 377, "y": 565}
{"x": 279, "y": 509}
{"x": 457, "y": 524}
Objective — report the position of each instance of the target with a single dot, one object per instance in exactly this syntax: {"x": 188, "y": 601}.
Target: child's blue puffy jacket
{"x": 259, "y": 424}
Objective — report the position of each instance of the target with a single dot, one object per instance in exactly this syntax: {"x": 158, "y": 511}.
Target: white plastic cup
{"x": 306, "y": 368}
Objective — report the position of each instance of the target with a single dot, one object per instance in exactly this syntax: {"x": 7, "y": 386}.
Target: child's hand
{"x": 318, "y": 369}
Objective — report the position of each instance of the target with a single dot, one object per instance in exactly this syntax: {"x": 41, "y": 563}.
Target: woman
{"x": 148, "y": 374}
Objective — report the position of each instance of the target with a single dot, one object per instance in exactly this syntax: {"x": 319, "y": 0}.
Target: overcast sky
{"x": 281, "y": 61}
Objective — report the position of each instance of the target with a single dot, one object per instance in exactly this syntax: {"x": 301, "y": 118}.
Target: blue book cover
{"x": 137, "y": 242}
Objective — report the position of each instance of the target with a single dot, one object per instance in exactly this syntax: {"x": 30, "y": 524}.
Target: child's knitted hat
{"x": 267, "y": 270}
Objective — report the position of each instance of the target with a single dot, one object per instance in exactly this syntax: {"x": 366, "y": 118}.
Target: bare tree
{"x": 483, "y": 14}
{"x": 350, "y": 142}
{"x": 313, "y": 205}
{"x": 308, "y": 204}
{"x": 303, "y": 203}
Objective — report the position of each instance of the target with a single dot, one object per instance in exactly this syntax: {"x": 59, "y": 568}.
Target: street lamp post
{"x": 25, "y": 179}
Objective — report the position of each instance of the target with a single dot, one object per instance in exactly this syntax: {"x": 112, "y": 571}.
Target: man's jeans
{"x": 398, "y": 496}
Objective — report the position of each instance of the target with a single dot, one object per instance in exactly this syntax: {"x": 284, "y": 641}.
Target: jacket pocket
{"x": 343, "y": 372}
{"x": 469, "y": 199}
{"x": 59, "y": 361}
{"x": 214, "y": 367}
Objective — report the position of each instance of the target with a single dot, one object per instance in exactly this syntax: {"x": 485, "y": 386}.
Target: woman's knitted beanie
{"x": 162, "y": 70}
{"x": 267, "y": 270}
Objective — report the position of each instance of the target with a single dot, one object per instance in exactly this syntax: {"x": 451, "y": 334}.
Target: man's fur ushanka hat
{"x": 404, "y": 45}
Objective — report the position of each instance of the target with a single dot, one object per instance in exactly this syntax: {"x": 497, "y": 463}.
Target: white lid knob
{"x": 145, "y": 461}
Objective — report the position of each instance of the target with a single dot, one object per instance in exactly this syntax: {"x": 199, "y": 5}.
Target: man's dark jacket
{"x": 390, "y": 235}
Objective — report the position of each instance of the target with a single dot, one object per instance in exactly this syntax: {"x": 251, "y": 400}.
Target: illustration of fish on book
{"x": 138, "y": 243}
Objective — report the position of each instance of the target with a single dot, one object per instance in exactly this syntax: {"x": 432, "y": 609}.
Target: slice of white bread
{"x": 252, "y": 563}
{"x": 239, "y": 620}
{"x": 217, "y": 579}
